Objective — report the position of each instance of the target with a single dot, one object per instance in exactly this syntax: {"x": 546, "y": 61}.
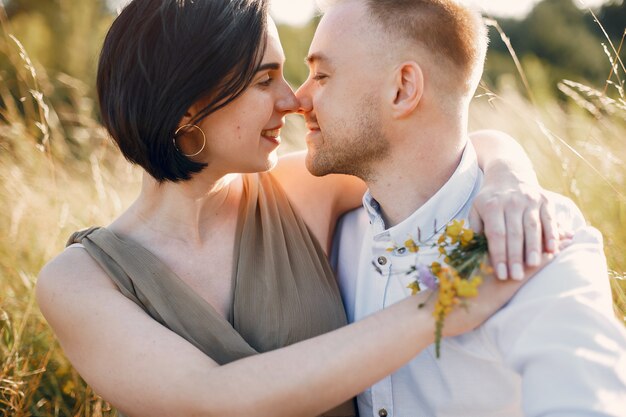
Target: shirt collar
{"x": 439, "y": 210}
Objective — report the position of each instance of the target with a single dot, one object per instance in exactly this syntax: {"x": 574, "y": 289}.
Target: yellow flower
{"x": 468, "y": 288}
{"x": 411, "y": 246}
{"x": 454, "y": 229}
{"x": 466, "y": 236}
{"x": 414, "y": 287}
{"x": 454, "y": 245}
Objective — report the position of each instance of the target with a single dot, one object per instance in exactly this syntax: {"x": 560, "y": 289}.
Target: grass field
{"x": 59, "y": 173}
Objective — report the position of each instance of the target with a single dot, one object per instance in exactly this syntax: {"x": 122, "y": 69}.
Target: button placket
{"x": 380, "y": 254}
{"x": 382, "y": 397}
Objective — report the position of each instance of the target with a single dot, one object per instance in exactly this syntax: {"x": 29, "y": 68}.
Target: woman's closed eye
{"x": 266, "y": 81}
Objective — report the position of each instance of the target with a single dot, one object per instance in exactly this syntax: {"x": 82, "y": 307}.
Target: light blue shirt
{"x": 555, "y": 350}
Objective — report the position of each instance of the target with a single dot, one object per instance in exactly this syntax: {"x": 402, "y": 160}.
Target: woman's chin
{"x": 264, "y": 165}
{"x": 271, "y": 161}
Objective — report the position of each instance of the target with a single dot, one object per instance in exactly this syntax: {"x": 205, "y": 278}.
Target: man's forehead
{"x": 343, "y": 18}
{"x": 341, "y": 28}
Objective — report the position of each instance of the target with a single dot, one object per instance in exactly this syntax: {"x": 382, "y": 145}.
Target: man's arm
{"x": 560, "y": 334}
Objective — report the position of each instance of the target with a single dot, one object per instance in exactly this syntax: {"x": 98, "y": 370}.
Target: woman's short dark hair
{"x": 161, "y": 56}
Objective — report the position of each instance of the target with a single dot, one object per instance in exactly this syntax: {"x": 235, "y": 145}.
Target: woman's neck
{"x": 187, "y": 210}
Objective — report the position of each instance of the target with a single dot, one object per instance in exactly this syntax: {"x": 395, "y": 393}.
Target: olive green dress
{"x": 284, "y": 290}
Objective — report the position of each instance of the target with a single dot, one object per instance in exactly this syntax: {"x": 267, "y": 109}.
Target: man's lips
{"x": 312, "y": 127}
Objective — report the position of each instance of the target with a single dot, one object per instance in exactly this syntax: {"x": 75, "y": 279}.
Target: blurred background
{"x": 554, "y": 80}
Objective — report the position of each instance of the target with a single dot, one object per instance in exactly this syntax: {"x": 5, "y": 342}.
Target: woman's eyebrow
{"x": 269, "y": 66}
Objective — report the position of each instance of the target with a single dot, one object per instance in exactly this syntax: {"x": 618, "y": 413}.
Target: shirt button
{"x": 382, "y": 260}
{"x": 382, "y": 412}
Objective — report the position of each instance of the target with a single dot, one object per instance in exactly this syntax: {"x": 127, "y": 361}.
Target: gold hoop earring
{"x": 203, "y": 138}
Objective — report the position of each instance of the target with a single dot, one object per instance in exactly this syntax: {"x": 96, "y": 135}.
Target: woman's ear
{"x": 409, "y": 88}
{"x": 189, "y": 138}
{"x": 188, "y": 116}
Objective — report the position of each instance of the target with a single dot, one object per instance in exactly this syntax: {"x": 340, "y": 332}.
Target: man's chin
{"x": 314, "y": 167}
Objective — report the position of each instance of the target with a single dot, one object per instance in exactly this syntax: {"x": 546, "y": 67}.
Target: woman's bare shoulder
{"x": 74, "y": 266}
{"x": 116, "y": 347}
{"x": 70, "y": 275}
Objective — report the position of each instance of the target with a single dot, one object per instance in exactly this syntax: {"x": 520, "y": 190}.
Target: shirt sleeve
{"x": 560, "y": 334}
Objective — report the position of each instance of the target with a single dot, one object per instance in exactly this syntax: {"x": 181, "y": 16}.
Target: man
{"x": 387, "y": 100}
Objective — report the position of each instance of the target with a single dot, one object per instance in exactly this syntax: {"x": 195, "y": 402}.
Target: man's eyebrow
{"x": 316, "y": 57}
{"x": 269, "y": 66}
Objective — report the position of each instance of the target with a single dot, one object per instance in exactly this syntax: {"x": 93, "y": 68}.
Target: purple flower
{"x": 425, "y": 277}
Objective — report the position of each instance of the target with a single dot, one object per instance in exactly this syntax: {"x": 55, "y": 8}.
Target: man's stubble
{"x": 351, "y": 146}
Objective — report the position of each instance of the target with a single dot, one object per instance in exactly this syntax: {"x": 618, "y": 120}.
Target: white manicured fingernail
{"x": 517, "y": 272}
{"x": 501, "y": 271}
{"x": 534, "y": 259}
{"x": 551, "y": 245}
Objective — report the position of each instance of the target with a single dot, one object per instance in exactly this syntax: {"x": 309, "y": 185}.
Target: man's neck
{"x": 415, "y": 171}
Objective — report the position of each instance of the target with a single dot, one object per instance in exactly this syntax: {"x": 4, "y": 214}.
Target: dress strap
{"x": 150, "y": 284}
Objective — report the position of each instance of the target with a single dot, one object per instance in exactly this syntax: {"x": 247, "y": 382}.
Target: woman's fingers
{"x": 475, "y": 222}
{"x": 495, "y": 231}
{"x": 520, "y": 226}
{"x": 549, "y": 225}
{"x": 533, "y": 236}
{"x": 514, "y": 218}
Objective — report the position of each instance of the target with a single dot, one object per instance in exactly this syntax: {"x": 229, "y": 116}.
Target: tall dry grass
{"x": 578, "y": 146}
{"x": 59, "y": 173}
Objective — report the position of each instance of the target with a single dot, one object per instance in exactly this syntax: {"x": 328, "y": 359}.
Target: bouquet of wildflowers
{"x": 465, "y": 258}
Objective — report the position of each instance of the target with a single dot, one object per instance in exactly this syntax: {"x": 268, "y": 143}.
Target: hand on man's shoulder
{"x": 578, "y": 269}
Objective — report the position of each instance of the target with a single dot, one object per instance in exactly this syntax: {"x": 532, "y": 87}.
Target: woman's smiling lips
{"x": 272, "y": 135}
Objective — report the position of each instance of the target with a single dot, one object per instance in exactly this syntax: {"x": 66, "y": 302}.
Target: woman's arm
{"x": 144, "y": 369}
{"x": 511, "y": 208}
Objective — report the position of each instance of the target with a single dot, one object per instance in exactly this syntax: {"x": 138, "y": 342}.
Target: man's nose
{"x": 306, "y": 104}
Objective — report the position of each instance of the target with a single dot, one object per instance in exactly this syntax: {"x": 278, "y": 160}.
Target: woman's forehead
{"x": 273, "y": 48}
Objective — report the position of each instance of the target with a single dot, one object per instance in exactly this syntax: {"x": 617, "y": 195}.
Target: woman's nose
{"x": 288, "y": 102}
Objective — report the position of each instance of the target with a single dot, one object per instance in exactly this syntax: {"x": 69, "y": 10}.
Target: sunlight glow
{"x": 293, "y": 12}
{"x": 298, "y": 12}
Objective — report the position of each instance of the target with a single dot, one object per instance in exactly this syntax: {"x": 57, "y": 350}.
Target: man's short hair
{"x": 449, "y": 29}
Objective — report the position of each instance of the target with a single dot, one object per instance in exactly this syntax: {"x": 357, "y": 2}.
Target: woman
{"x": 164, "y": 311}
